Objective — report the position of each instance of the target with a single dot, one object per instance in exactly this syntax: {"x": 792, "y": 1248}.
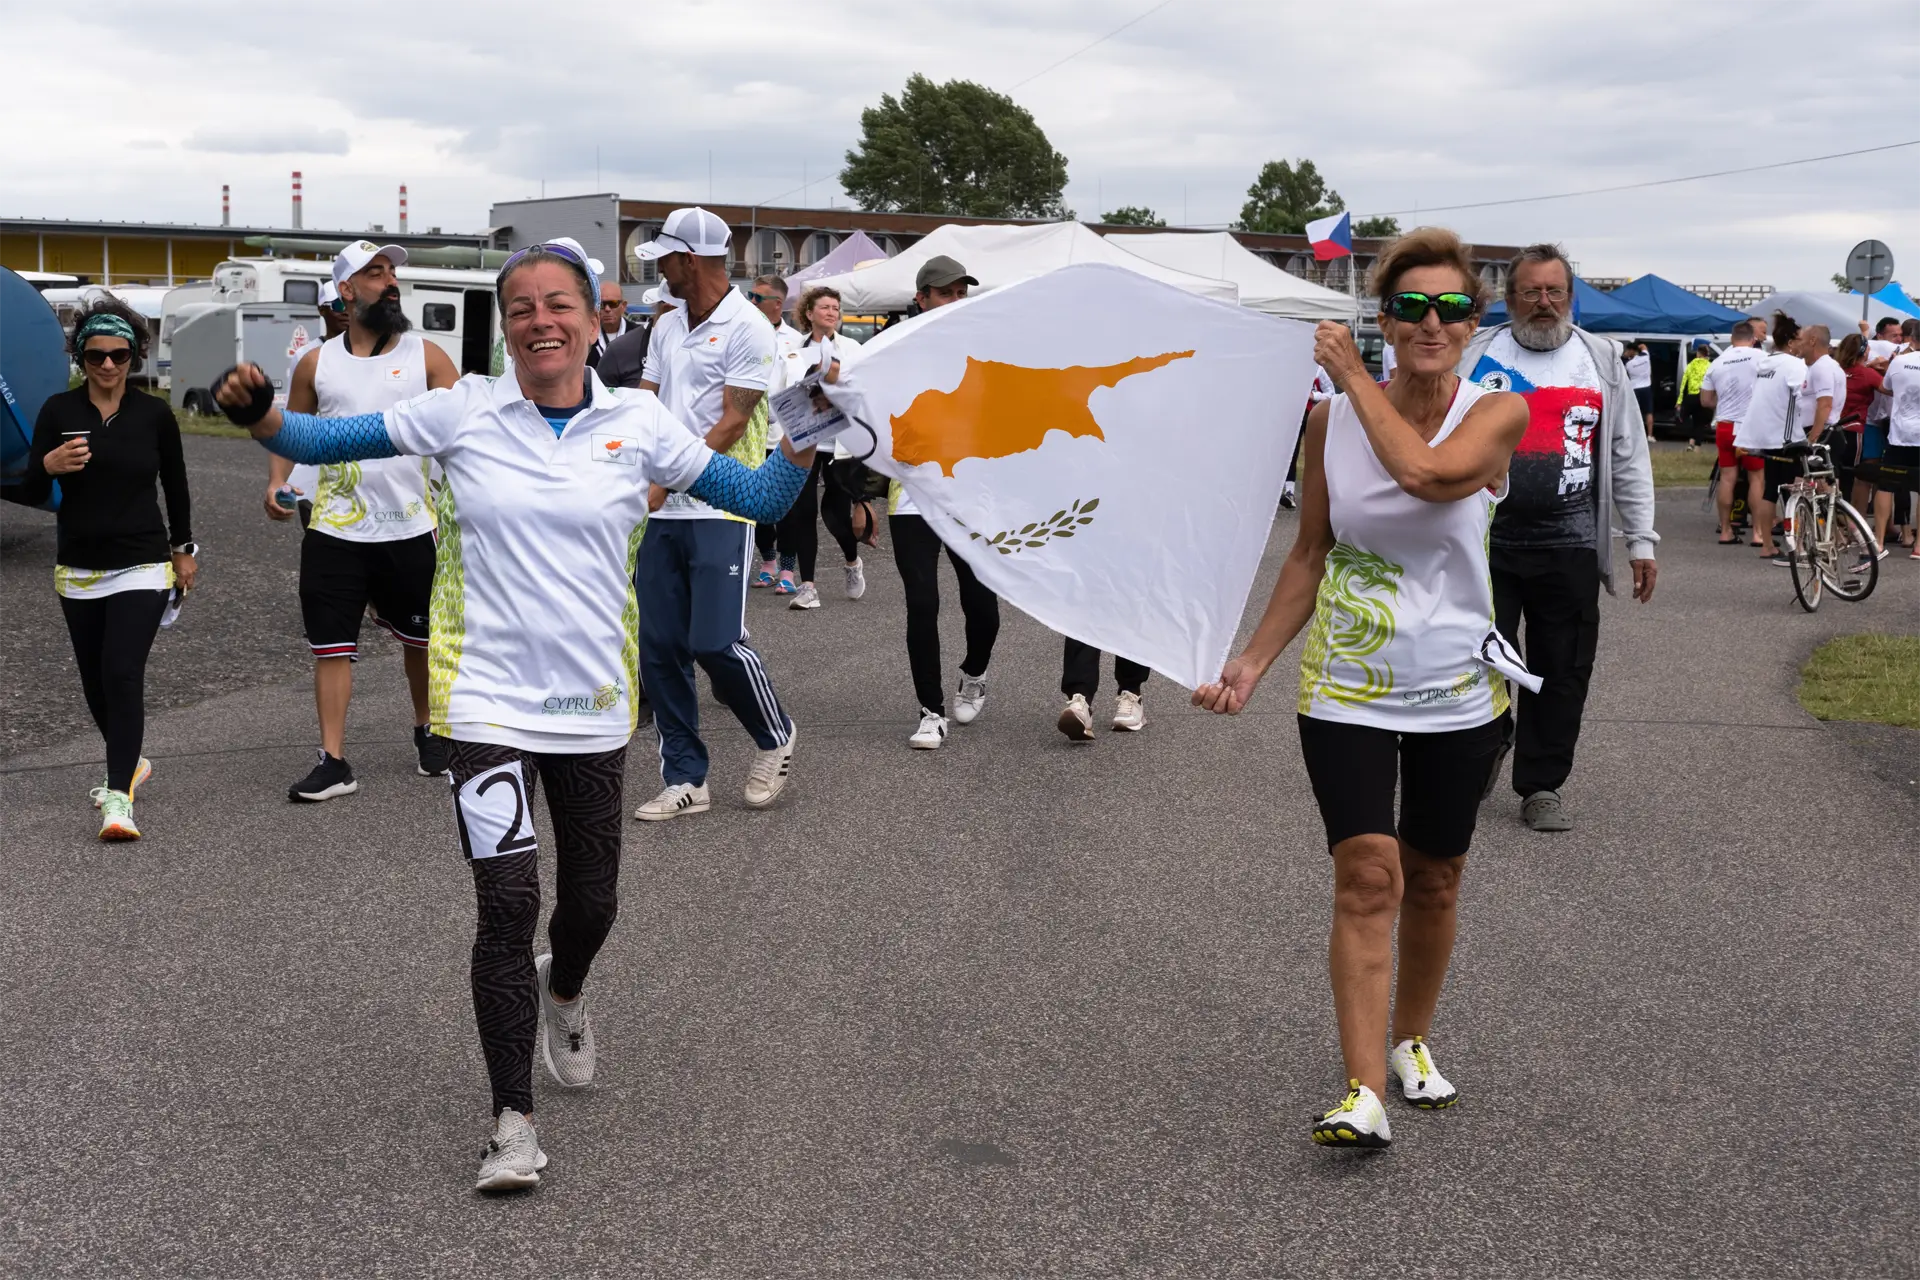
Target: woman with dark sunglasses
{"x": 1403, "y": 676}
{"x": 533, "y": 654}
{"x": 116, "y": 560}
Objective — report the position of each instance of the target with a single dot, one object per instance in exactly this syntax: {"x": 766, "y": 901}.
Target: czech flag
{"x": 1331, "y": 237}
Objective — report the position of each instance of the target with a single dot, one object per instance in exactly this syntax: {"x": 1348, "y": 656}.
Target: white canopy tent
{"x": 1840, "y": 312}
{"x": 1263, "y": 286}
{"x": 999, "y": 256}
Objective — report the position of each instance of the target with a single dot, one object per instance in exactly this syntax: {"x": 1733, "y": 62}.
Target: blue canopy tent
{"x": 1674, "y": 309}
{"x": 33, "y": 366}
{"x": 1594, "y": 311}
{"x": 1896, "y": 297}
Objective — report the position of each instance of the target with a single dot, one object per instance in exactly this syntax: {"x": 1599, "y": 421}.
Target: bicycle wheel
{"x": 1803, "y": 549}
{"x": 1853, "y": 566}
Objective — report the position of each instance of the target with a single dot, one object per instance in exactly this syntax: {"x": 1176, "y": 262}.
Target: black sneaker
{"x": 331, "y": 777}
{"x": 436, "y": 753}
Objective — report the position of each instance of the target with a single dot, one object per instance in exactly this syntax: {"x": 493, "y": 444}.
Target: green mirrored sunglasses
{"x": 1412, "y": 307}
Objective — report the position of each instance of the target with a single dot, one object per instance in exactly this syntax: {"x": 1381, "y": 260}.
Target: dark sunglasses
{"x": 96, "y": 357}
{"x": 1411, "y": 308}
{"x": 612, "y": 304}
{"x": 757, "y": 298}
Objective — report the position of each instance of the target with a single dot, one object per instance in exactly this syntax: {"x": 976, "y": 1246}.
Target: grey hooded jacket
{"x": 1625, "y": 479}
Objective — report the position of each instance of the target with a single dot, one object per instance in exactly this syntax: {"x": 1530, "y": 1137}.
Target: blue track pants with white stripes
{"x": 692, "y": 586}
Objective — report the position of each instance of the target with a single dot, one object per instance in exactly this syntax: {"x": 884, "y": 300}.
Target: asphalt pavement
{"x": 1013, "y": 1008}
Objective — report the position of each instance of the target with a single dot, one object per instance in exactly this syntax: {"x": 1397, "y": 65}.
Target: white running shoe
{"x": 680, "y": 799}
{"x": 141, "y": 772}
{"x": 1129, "y": 716}
{"x": 1076, "y": 721}
{"x": 806, "y": 598}
{"x": 1421, "y": 1084}
{"x": 768, "y": 776}
{"x": 566, "y": 1037}
{"x": 856, "y": 580}
{"x": 970, "y": 700}
{"x": 1359, "y": 1121}
{"x": 512, "y": 1159}
{"x": 931, "y": 734}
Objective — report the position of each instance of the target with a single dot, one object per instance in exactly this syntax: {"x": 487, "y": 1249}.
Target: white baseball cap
{"x": 329, "y": 293}
{"x": 357, "y": 255}
{"x": 654, "y": 297}
{"x": 692, "y": 231}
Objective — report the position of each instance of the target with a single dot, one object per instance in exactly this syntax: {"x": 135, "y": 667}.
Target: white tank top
{"x": 1402, "y": 633}
{"x": 381, "y": 499}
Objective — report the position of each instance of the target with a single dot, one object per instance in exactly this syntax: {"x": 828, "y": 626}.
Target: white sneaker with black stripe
{"x": 768, "y": 776}
{"x": 678, "y": 800}
{"x": 931, "y": 734}
{"x": 1421, "y": 1084}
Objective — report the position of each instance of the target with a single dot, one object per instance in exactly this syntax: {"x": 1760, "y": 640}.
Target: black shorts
{"x": 338, "y": 579}
{"x": 1896, "y": 470}
{"x": 1441, "y": 775}
{"x": 1782, "y": 468}
{"x": 1645, "y": 396}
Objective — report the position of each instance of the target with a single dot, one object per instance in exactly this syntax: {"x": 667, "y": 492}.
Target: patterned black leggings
{"x": 493, "y": 792}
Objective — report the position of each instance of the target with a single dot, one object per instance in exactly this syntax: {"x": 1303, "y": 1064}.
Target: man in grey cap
{"x": 940, "y": 280}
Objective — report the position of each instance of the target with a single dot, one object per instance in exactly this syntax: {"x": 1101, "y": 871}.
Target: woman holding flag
{"x": 1403, "y": 676}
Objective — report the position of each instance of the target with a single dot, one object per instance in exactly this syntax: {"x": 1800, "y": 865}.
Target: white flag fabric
{"x": 1106, "y": 451}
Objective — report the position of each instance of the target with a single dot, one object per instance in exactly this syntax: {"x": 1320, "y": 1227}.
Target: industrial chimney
{"x": 403, "y": 208}
{"x": 296, "y": 200}
{"x": 226, "y": 206}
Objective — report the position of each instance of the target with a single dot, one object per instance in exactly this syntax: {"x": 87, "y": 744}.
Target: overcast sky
{"x": 139, "y": 111}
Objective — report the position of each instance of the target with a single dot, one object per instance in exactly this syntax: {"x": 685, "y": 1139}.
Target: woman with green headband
{"x": 116, "y": 561}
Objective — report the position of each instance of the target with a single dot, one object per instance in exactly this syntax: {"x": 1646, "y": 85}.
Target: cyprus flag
{"x": 1105, "y": 451}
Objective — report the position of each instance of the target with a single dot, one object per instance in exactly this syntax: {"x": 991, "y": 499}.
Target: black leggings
{"x": 916, "y": 550}
{"x": 112, "y": 636}
{"x": 493, "y": 791}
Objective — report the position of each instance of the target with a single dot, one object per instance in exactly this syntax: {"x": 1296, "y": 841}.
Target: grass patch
{"x": 200, "y": 424}
{"x": 1872, "y": 677}
{"x": 1674, "y": 466}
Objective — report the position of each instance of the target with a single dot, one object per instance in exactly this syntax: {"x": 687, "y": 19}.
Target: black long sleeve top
{"x": 109, "y": 514}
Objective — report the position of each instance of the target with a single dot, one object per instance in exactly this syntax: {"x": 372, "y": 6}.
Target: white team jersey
{"x": 534, "y": 624}
{"x": 732, "y": 347}
{"x": 1730, "y": 378}
{"x": 1825, "y": 377}
{"x": 1882, "y": 406}
{"x": 382, "y": 499}
{"x": 1903, "y": 390}
{"x": 1404, "y": 615}
{"x": 1772, "y": 420}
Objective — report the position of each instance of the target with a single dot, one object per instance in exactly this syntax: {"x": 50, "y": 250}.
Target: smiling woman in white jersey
{"x": 1403, "y": 672}
{"x": 534, "y": 641}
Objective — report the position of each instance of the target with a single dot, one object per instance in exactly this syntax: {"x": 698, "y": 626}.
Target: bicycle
{"x": 1828, "y": 542}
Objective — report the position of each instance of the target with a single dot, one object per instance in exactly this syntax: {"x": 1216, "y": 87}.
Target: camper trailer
{"x": 211, "y": 337}
{"x": 172, "y": 309}
{"x": 451, "y": 307}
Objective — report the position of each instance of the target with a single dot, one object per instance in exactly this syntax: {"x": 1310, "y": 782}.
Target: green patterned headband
{"x": 103, "y": 325}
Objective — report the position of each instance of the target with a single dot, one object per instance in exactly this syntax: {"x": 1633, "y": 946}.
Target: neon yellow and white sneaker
{"x": 1421, "y": 1084}
{"x": 116, "y": 814}
{"x": 141, "y": 772}
{"x": 1359, "y": 1121}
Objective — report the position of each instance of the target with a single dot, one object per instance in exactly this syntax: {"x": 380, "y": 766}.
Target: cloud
{"x": 299, "y": 140}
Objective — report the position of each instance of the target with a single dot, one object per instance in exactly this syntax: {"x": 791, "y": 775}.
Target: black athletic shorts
{"x": 338, "y": 579}
{"x": 1441, "y": 775}
{"x": 1782, "y": 468}
{"x": 1896, "y": 470}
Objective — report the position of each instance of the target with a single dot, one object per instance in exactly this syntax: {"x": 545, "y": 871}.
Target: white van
{"x": 452, "y": 307}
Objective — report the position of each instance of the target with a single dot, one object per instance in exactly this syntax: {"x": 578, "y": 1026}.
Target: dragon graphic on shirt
{"x": 337, "y": 502}
{"x": 1350, "y": 626}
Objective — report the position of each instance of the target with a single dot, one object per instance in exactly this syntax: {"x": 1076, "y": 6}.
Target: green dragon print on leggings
{"x": 1350, "y": 626}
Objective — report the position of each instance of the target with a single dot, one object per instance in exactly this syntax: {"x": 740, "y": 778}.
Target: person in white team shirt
{"x": 535, "y": 643}
{"x": 1897, "y": 470}
{"x": 709, "y": 362}
{"x": 369, "y": 537}
{"x": 1640, "y": 378}
{"x": 1725, "y": 391}
{"x": 799, "y": 530}
{"x": 1403, "y": 678}
{"x": 1772, "y": 431}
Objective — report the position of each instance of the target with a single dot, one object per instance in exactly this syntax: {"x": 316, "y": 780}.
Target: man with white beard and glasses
{"x": 1582, "y": 469}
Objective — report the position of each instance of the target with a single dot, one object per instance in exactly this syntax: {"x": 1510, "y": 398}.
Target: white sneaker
{"x": 970, "y": 700}
{"x": 1421, "y": 1084}
{"x": 1129, "y": 716}
{"x": 1359, "y": 1121}
{"x": 566, "y": 1037}
{"x": 931, "y": 733}
{"x": 677, "y": 800}
{"x": 512, "y": 1159}
{"x": 805, "y": 598}
{"x": 1076, "y": 721}
{"x": 768, "y": 776}
{"x": 856, "y": 580}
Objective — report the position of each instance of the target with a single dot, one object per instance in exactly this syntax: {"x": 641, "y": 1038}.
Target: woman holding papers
{"x": 799, "y": 534}
{"x": 1403, "y": 677}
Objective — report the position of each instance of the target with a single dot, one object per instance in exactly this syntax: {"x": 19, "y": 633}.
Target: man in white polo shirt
{"x": 1725, "y": 391}
{"x": 709, "y": 361}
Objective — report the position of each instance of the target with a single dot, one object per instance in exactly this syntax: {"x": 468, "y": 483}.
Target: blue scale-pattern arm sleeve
{"x": 309, "y": 438}
{"x": 761, "y": 494}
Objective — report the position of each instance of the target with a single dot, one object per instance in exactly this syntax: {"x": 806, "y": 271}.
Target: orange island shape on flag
{"x": 1002, "y": 409}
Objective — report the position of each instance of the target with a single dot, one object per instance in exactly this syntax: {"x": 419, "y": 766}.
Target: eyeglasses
{"x": 757, "y": 298}
{"x": 1551, "y": 295}
{"x": 96, "y": 357}
{"x": 612, "y": 304}
{"x": 1412, "y": 308}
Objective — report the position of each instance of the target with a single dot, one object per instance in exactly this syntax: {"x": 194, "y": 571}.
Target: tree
{"x": 957, "y": 148}
{"x": 1133, "y": 215}
{"x": 1841, "y": 283}
{"x": 1286, "y": 197}
{"x": 1385, "y": 227}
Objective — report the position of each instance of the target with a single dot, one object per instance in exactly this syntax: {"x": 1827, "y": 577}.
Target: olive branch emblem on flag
{"x": 1061, "y": 524}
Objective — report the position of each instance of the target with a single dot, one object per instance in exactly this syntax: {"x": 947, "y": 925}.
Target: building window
{"x": 307, "y": 291}
{"x": 437, "y": 317}
{"x": 1300, "y": 264}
